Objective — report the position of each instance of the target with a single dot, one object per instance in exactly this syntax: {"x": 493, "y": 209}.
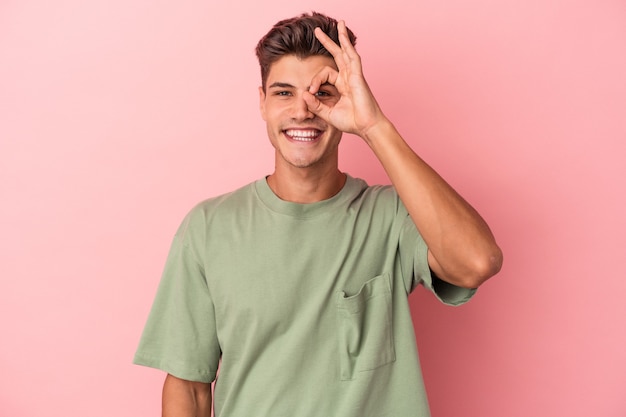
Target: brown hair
{"x": 295, "y": 36}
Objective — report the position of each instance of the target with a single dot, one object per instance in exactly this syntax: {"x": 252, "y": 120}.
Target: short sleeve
{"x": 414, "y": 258}
{"x": 180, "y": 334}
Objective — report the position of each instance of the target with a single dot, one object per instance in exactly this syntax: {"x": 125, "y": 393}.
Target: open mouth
{"x": 303, "y": 135}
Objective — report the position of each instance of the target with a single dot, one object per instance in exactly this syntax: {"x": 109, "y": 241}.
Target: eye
{"x": 322, "y": 94}
{"x": 282, "y": 93}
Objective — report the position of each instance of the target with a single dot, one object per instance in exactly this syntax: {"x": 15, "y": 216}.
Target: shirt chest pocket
{"x": 365, "y": 332}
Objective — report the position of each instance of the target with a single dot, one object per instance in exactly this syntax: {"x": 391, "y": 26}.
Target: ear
{"x": 262, "y": 102}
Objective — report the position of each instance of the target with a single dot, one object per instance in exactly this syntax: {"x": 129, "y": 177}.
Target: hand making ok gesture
{"x": 357, "y": 110}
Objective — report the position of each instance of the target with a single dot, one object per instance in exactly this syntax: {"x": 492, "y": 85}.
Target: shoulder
{"x": 228, "y": 204}
{"x": 225, "y": 202}
{"x": 375, "y": 197}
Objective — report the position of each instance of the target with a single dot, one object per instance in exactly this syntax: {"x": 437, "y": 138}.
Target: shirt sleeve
{"x": 414, "y": 256}
{"x": 180, "y": 334}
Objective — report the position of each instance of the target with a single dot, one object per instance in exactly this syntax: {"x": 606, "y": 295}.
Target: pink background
{"x": 116, "y": 116}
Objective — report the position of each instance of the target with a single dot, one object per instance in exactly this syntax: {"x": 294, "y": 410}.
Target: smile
{"x": 303, "y": 135}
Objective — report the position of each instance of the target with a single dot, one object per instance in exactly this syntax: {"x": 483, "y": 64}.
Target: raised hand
{"x": 357, "y": 110}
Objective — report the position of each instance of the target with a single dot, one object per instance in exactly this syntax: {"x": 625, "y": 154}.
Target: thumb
{"x": 316, "y": 107}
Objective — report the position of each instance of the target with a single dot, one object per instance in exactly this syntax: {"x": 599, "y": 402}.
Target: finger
{"x": 345, "y": 43}
{"x": 316, "y": 107}
{"x": 326, "y": 75}
{"x": 344, "y": 39}
{"x": 330, "y": 45}
{"x": 344, "y": 54}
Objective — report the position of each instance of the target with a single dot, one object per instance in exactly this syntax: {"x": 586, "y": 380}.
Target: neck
{"x": 301, "y": 185}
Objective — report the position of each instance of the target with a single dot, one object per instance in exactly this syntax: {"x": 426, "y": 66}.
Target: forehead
{"x": 298, "y": 71}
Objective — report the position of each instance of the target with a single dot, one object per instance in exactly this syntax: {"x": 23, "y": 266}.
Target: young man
{"x": 296, "y": 285}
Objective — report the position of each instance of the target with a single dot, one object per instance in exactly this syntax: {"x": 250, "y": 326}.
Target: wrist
{"x": 378, "y": 131}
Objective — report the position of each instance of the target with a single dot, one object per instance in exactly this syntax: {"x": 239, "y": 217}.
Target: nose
{"x": 299, "y": 109}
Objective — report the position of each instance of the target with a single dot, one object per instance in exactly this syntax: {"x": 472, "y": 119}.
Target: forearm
{"x": 183, "y": 398}
{"x": 462, "y": 249}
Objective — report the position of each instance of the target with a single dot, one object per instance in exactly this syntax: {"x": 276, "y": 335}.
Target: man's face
{"x": 301, "y": 139}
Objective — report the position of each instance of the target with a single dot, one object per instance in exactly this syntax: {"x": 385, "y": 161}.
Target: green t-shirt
{"x": 302, "y": 307}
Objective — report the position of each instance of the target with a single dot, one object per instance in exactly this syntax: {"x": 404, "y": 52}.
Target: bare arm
{"x": 462, "y": 249}
{"x": 182, "y": 398}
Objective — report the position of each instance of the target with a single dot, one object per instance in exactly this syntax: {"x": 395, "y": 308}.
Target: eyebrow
{"x": 279, "y": 84}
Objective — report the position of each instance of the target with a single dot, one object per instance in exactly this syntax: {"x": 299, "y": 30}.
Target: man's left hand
{"x": 357, "y": 110}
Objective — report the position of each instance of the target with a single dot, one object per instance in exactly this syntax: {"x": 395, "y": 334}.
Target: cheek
{"x": 272, "y": 114}
{"x": 272, "y": 124}
{"x": 337, "y": 134}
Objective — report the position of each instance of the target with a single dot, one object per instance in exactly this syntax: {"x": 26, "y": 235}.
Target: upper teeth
{"x": 302, "y": 135}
